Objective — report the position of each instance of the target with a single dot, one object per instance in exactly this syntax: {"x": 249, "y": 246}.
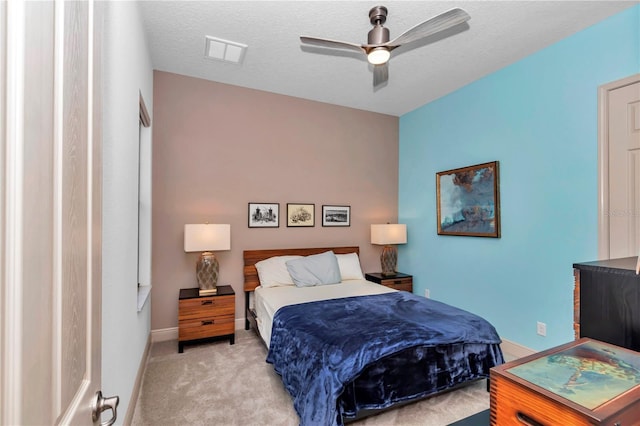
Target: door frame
{"x": 603, "y": 160}
{"x": 11, "y": 120}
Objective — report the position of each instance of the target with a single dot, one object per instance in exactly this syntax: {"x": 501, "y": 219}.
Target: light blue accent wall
{"x": 538, "y": 118}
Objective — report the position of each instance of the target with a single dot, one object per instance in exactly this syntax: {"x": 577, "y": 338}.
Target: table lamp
{"x": 388, "y": 235}
{"x": 207, "y": 238}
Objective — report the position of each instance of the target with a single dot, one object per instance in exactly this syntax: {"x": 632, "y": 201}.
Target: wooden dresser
{"x": 205, "y": 317}
{"x": 607, "y": 302}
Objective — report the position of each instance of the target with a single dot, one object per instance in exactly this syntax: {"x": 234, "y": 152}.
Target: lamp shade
{"x": 207, "y": 237}
{"x": 390, "y": 233}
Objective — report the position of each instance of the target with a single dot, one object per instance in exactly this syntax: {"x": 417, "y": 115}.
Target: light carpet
{"x": 221, "y": 384}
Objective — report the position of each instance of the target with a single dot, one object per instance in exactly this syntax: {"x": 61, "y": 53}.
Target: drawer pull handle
{"x": 209, "y": 322}
{"x": 397, "y": 282}
{"x": 207, "y": 302}
{"x": 526, "y": 420}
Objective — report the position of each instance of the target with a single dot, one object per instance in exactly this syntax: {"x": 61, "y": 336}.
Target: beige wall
{"x": 218, "y": 147}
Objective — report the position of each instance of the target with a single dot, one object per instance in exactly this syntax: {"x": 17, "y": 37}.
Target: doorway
{"x": 619, "y": 168}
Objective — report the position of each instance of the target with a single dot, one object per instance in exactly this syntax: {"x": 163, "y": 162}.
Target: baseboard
{"x": 239, "y": 323}
{"x": 516, "y": 349}
{"x": 164, "y": 334}
{"x": 135, "y": 392}
{"x": 171, "y": 333}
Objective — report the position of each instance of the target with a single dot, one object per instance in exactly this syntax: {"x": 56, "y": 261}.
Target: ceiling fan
{"x": 378, "y": 48}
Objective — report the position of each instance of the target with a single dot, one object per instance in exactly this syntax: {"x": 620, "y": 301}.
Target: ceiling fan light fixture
{"x": 378, "y": 55}
{"x": 378, "y": 47}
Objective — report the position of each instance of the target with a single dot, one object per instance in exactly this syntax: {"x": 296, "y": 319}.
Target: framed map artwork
{"x": 468, "y": 201}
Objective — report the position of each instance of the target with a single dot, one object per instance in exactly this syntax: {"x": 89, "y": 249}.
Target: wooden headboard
{"x": 251, "y": 280}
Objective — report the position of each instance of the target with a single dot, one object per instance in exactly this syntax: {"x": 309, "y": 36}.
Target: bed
{"x": 351, "y": 348}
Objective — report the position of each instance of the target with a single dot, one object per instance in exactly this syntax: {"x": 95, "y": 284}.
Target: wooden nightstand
{"x": 204, "y": 317}
{"x": 398, "y": 281}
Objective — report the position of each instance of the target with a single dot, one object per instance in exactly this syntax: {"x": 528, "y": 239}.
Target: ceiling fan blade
{"x": 336, "y": 44}
{"x": 380, "y": 74}
{"x": 436, "y": 24}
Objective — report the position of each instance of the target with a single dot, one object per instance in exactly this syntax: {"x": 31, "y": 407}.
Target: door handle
{"x": 101, "y": 404}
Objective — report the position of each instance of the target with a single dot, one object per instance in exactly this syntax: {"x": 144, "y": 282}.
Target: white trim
{"x": 58, "y": 138}
{"x": 3, "y": 136}
{"x": 145, "y": 119}
{"x": 171, "y": 333}
{"x": 137, "y": 385}
{"x": 603, "y": 160}
{"x": 516, "y": 349}
{"x": 12, "y": 214}
{"x": 143, "y": 294}
{"x": 164, "y": 334}
{"x": 91, "y": 337}
{"x": 239, "y": 324}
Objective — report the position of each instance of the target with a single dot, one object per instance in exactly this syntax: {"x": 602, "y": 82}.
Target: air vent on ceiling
{"x": 224, "y": 50}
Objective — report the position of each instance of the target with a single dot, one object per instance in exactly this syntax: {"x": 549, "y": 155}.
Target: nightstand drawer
{"x": 405, "y": 284}
{"x": 206, "y": 306}
{"x": 206, "y": 327}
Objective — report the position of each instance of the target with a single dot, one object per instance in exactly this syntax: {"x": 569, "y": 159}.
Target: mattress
{"x": 268, "y": 300}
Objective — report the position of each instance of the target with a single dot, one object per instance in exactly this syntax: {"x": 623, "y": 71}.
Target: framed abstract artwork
{"x": 336, "y": 215}
{"x": 300, "y": 215}
{"x": 264, "y": 215}
{"x": 468, "y": 201}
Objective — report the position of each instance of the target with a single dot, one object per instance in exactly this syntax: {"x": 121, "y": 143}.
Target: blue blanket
{"x": 321, "y": 348}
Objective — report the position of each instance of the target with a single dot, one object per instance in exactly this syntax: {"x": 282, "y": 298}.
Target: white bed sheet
{"x": 267, "y": 301}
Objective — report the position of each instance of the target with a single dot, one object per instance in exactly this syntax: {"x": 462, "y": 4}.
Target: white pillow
{"x": 315, "y": 269}
{"x": 349, "y": 265}
{"x": 273, "y": 271}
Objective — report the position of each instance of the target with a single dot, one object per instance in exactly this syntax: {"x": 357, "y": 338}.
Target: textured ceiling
{"x": 498, "y": 34}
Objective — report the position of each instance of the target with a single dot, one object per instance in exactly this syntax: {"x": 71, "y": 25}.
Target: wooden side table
{"x": 398, "y": 281}
{"x": 206, "y": 317}
{"x": 584, "y": 382}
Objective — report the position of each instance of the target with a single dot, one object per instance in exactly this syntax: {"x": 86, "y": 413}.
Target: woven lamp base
{"x": 389, "y": 260}
{"x": 207, "y": 270}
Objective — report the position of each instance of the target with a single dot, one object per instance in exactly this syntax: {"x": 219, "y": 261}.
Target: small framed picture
{"x": 300, "y": 215}
{"x": 264, "y": 215}
{"x": 336, "y": 215}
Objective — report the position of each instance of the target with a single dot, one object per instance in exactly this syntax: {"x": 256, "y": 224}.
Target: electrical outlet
{"x": 426, "y": 293}
{"x": 542, "y": 328}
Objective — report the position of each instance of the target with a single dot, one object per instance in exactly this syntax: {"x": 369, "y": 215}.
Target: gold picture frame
{"x": 468, "y": 201}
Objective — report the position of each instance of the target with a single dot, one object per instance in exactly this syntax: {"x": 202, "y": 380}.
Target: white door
{"x": 620, "y": 169}
{"x": 50, "y": 211}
